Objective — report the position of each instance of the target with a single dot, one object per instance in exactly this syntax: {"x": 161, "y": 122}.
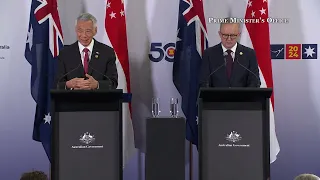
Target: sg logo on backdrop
{"x": 159, "y": 51}
{"x": 294, "y": 51}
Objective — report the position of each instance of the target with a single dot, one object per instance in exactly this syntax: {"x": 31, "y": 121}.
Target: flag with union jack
{"x": 191, "y": 42}
{"x": 44, "y": 41}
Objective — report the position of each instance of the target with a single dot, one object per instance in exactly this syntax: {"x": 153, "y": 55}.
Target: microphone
{"x": 224, "y": 64}
{"x": 259, "y": 82}
{"x": 112, "y": 81}
{"x": 80, "y": 64}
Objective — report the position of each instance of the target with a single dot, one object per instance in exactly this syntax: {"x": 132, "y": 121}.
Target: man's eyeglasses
{"x": 87, "y": 32}
{"x": 232, "y": 36}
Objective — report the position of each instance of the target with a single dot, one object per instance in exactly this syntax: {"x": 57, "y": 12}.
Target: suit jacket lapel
{"x": 94, "y": 57}
{"x": 236, "y": 64}
{"x": 222, "y": 61}
{"x": 77, "y": 59}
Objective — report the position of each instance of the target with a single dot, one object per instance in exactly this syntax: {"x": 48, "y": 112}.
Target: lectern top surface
{"x": 63, "y": 91}
{"x": 234, "y": 93}
{"x": 87, "y": 95}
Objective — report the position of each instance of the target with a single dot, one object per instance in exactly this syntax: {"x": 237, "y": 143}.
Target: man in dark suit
{"x": 86, "y": 64}
{"x": 229, "y": 64}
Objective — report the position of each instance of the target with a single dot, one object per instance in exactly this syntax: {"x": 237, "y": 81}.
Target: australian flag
{"x": 44, "y": 40}
{"x": 191, "y": 42}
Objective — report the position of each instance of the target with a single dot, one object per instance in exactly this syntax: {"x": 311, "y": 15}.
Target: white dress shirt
{"x": 81, "y": 47}
{"x": 233, "y": 49}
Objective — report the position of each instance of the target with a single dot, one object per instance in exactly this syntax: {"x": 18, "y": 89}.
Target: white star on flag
{"x": 309, "y": 51}
{"x": 29, "y": 38}
{"x": 265, "y": 1}
{"x": 252, "y": 13}
{"x": 108, "y": 4}
{"x": 249, "y": 3}
{"x": 263, "y": 11}
{"x": 47, "y": 118}
{"x": 112, "y": 15}
{"x": 122, "y": 13}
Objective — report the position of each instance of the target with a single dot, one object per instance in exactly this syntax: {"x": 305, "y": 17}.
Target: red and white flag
{"x": 257, "y": 36}
{"x": 115, "y": 26}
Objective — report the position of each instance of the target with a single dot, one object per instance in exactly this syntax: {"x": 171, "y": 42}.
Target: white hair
{"x": 307, "y": 177}
{"x": 87, "y": 17}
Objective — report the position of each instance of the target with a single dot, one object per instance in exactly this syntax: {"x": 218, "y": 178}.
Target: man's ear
{"x": 95, "y": 31}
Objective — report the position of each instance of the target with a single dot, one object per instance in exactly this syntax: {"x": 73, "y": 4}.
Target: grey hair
{"x": 307, "y": 177}
{"x": 87, "y": 17}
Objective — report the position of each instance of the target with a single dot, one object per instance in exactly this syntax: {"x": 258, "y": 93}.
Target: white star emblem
{"x": 265, "y": 1}
{"x": 249, "y": 3}
{"x": 112, "y": 15}
{"x": 178, "y": 39}
{"x": 47, "y": 118}
{"x": 252, "y": 13}
{"x": 263, "y": 11}
{"x": 122, "y": 13}
{"x": 108, "y": 4}
{"x": 309, "y": 51}
{"x": 30, "y": 38}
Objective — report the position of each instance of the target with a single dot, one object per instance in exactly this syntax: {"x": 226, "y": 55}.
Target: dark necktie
{"x": 229, "y": 63}
{"x": 85, "y": 60}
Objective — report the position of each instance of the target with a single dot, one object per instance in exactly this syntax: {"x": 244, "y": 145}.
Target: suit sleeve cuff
{"x": 65, "y": 87}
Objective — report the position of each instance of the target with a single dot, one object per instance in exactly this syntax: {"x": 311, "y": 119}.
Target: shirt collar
{"x": 233, "y": 49}
{"x": 90, "y": 46}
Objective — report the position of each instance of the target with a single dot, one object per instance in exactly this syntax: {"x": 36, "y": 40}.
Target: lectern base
{"x": 234, "y": 133}
{"x": 89, "y": 145}
{"x": 165, "y": 159}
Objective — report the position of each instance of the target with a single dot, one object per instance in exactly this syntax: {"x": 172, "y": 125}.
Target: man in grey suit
{"x": 229, "y": 64}
{"x": 86, "y": 64}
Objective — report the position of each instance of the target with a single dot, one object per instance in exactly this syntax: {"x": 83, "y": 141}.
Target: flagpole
{"x": 191, "y": 160}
